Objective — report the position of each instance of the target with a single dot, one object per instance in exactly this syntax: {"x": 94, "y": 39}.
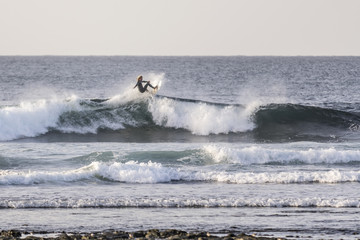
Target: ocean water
{"x": 260, "y": 145}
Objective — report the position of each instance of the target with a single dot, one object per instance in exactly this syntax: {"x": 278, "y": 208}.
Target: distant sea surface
{"x": 260, "y": 145}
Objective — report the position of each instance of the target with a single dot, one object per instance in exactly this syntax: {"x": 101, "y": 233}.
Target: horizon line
{"x": 136, "y": 55}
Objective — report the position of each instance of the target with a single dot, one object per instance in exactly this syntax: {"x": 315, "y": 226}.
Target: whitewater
{"x": 74, "y": 115}
{"x": 258, "y": 145}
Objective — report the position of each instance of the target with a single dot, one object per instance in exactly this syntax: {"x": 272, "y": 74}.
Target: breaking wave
{"x": 151, "y": 173}
{"x": 134, "y": 112}
{"x": 260, "y": 154}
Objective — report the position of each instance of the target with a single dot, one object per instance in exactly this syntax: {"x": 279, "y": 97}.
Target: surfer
{"x": 142, "y": 88}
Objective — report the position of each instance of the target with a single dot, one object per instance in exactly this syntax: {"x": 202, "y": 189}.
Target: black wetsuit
{"x": 141, "y": 87}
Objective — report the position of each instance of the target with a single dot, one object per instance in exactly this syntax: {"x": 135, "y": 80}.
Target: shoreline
{"x": 113, "y": 234}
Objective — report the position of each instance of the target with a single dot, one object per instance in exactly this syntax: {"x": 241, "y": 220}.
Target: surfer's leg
{"x": 152, "y": 86}
{"x": 148, "y": 85}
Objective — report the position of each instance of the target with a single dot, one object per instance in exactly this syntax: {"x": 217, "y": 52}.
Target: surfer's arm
{"x": 136, "y": 85}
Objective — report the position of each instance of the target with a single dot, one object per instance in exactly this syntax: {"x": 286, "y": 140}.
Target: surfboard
{"x": 154, "y": 91}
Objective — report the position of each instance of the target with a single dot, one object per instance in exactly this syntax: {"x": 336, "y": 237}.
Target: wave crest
{"x": 257, "y": 154}
{"x": 145, "y": 173}
{"x": 132, "y": 111}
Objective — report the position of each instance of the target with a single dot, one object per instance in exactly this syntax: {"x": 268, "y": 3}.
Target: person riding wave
{"x": 142, "y": 88}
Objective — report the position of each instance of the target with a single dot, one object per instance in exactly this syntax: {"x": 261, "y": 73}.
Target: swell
{"x": 125, "y": 118}
{"x": 295, "y": 115}
{"x": 244, "y": 164}
{"x": 208, "y": 155}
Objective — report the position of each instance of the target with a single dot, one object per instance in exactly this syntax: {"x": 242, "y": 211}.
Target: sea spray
{"x": 30, "y": 119}
{"x": 136, "y": 112}
{"x": 131, "y": 94}
{"x": 200, "y": 118}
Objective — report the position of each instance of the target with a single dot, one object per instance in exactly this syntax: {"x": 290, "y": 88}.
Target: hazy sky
{"x": 180, "y": 27}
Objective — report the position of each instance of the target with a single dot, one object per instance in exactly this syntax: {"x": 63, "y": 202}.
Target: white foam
{"x": 150, "y": 172}
{"x": 179, "y": 202}
{"x": 132, "y": 94}
{"x": 331, "y": 176}
{"x": 134, "y": 172}
{"x": 128, "y": 96}
{"x": 33, "y": 118}
{"x": 200, "y": 118}
{"x": 12, "y": 177}
{"x": 30, "y": 119}
{"x": 258, "y": 154}
{"x": 131, "y": 172}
